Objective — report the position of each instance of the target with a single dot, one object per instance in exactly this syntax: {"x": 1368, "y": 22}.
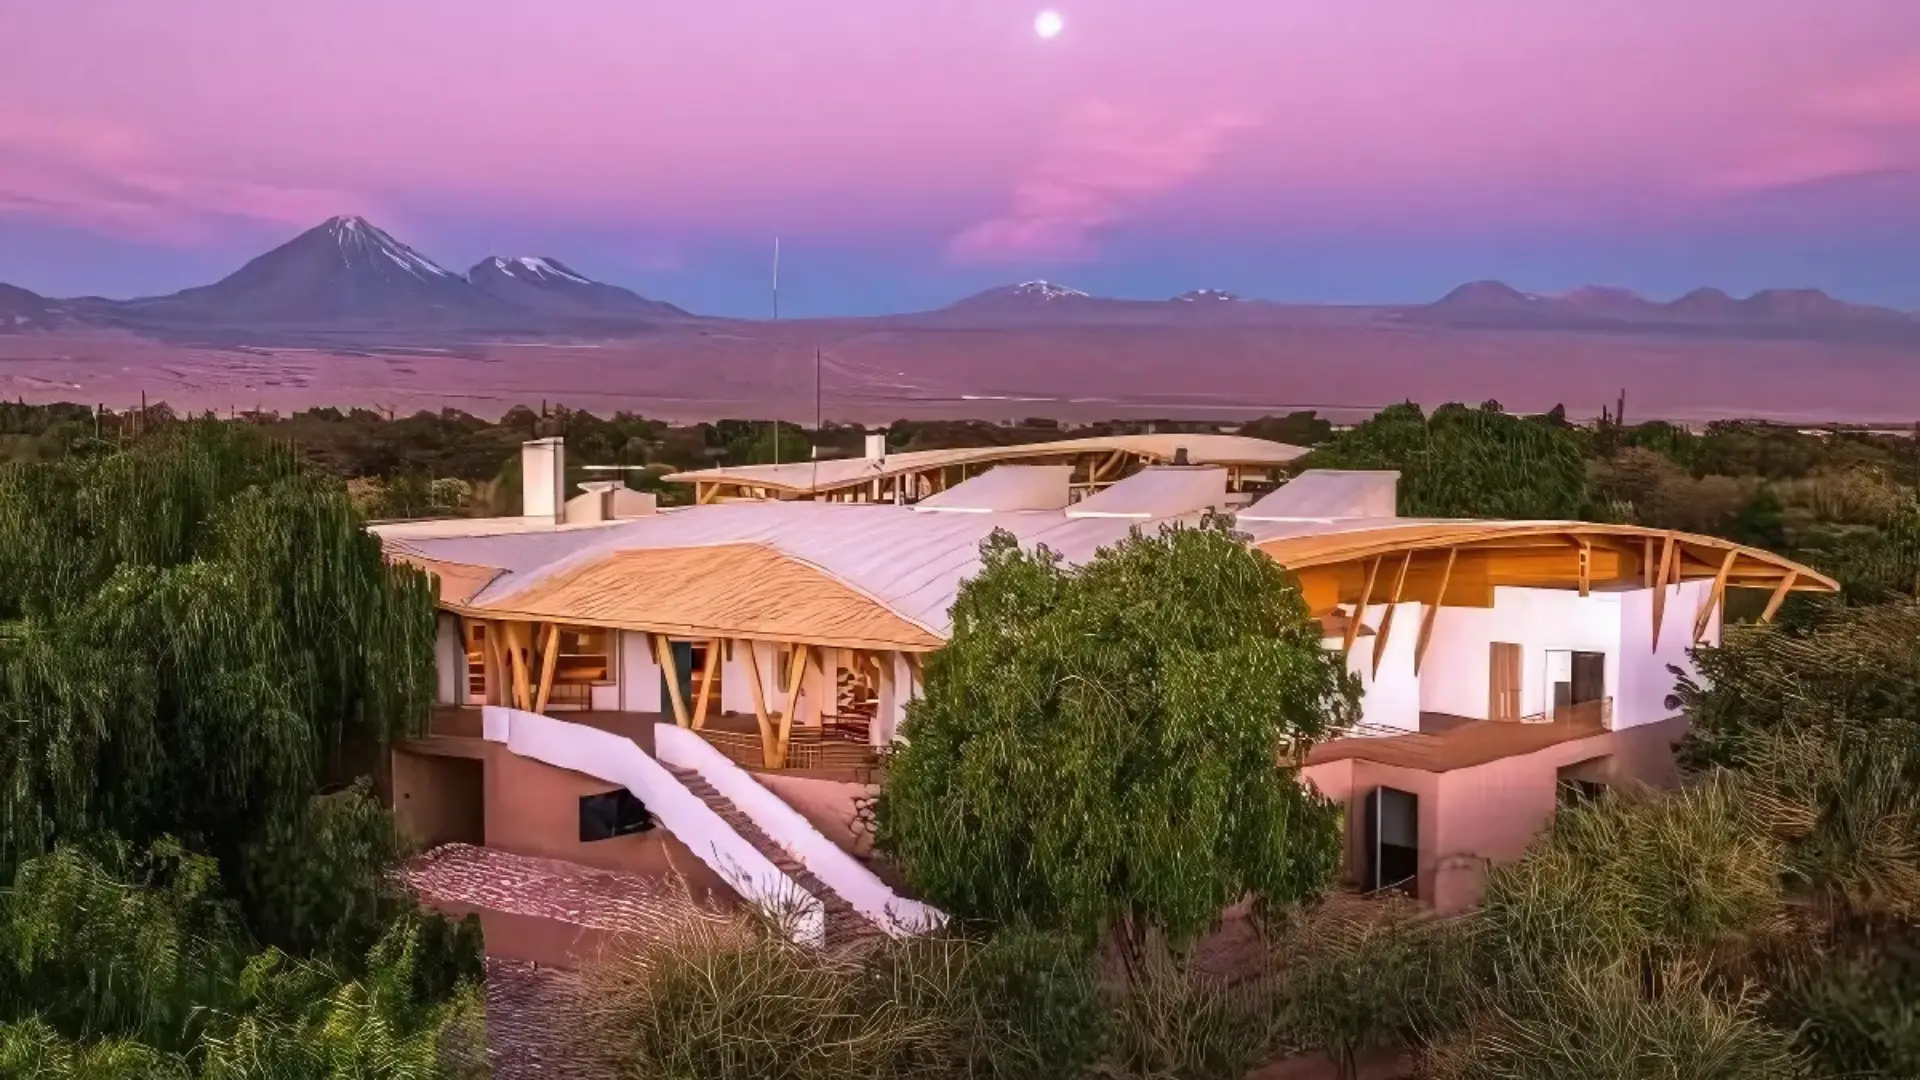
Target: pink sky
{"x": 940, "y": 131}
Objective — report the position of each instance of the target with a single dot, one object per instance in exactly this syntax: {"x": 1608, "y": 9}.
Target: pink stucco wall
{"x": 1489, "y": 813}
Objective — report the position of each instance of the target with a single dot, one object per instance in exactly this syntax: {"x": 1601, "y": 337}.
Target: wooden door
{"x": 1589, "y": 677}
{"x": 1503, "y": 681}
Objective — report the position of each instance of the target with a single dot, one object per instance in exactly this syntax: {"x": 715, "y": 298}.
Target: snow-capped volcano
{"x": 550, "y": 286}
{"x": 345, "y": 268}
{"x": 1046, "y": 291}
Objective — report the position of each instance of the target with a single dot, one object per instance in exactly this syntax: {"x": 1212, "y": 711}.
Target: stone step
{"x": 843, "y": 923}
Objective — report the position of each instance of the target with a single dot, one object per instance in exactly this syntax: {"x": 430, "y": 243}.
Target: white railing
{"x": 618, "y": 760}
{"x": 789, "y": 829}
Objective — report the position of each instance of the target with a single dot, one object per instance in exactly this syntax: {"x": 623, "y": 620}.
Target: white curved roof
{"x": 814, "y": 476}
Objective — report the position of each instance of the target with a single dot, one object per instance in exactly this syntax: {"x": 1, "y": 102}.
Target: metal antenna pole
{"x": 776, "y": 318}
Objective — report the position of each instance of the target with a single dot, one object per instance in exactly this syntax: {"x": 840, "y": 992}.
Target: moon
{"x": 1048, "y": 24}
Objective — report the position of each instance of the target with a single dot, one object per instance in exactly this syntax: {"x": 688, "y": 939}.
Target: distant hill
{"x": 21, "y": 311}
{"x": 550, "y": 286}
{"x": 1494, "y": 303}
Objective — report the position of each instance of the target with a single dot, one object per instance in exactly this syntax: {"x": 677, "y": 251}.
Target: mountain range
{"x": 348, "y": 274}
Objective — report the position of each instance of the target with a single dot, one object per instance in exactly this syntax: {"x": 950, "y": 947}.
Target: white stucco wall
{"x": 639, "y": 673}
{"x": 1392, "y": 696}
{"x": 1616, "y": 623}
{"x": 1455, "y": 678}
{"x": 1645, "y": 680}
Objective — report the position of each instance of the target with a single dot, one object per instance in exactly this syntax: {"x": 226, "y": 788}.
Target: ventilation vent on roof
{"x": 1005, "y": 487}
{"x": 1157, "y": 493}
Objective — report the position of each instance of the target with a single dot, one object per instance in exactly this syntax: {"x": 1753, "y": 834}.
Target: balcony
{"x": 1445, "y": 743}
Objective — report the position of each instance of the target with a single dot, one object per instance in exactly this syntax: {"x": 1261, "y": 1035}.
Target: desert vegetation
{"x": 202, "y": 654}
{"x": 197, "y": 871}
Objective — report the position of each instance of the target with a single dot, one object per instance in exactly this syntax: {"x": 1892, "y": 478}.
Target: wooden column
{"x": 710, "y": 672}
{"x": 670, "y": 674}
{"x": 1779, "y": 596}
{"x": 754, "y": 683}
{"x": 1426, "y": 624}
{"x": 1386, "y": 621}
{"x": 517, "y": 649}
{"x": 1660, "y": 588}
{"x": 1714, "y": 596}
{"x": 549, "y": 658}
{"x": 1360, "y": 609}
{"x": 796, "y": 671}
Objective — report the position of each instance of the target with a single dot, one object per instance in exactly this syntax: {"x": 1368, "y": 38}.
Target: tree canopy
{"x": 1098, "y": 747}
{"x": 202, "y": 655}
{"x": 1467, "y": 462}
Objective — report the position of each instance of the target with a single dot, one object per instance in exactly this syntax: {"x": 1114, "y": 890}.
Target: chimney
{"x": 543, "y": 471}
{"x": 1180, "y": 455}
{"x": 877, "y": 446}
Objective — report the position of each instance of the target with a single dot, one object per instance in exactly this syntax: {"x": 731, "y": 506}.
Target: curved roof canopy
{"x": 809, "y": 477}
{"x": 885, "y": 577}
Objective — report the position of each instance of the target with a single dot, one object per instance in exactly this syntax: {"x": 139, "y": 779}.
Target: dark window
{"x": 615, "y": 813}
{"x": 1392, "y": 841}
{"x": 1579, "y": 792}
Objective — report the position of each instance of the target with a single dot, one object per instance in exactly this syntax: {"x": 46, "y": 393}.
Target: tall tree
{"x": 1467, "y": 462}
{"x": 1101, "y": 747}
{"x": 196, "y": 635}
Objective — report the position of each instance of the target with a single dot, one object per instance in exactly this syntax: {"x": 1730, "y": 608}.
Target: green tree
{"x": 1467, "y": 462}
{"x": 1099, "y": 746}
{"x": 196, "y": 635}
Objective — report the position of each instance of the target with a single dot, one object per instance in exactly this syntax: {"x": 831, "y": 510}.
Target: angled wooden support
{"x": 1360, "y": 609}
{"x": 549, "y": 659}
{"x": 1386, "y": 621}
{"x": 670, "y": 674}
{"x": 709, "y": 674}
{"x": 1660, "y": 588}
{"x": 1426, "y": 623}
{"x": 1779, "y": 596}
{"x": 796, "y": 674}
{"x": 1714, "y": 597}
{"x": 754, "y": 683}
{"x": 1646, "y": 563}
{"x": 1586, "y": 567}
{"x": 518, "y": 647}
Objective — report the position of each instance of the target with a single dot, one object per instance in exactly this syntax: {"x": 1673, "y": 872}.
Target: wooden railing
{"x": 839, "y": 743}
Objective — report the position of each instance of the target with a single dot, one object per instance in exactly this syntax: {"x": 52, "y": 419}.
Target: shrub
{"x": 1356, "y": 978}
{"x": 1176, "y": 1022}
{"x": 1640, "y": 881}
{"x": 1599, "y": 1025}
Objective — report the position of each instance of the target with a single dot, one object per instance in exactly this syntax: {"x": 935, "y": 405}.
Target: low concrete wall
{"x": 1473, "y": 817}
{"x": 788, "y": 828}
{"x": 617, "y": 760}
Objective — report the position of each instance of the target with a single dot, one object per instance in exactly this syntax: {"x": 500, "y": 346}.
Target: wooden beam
{"x": 1586, "y": 567}
{"x": 796, "y": 674}
{"x": 1360, "y": 609}
{"x": 1426, "y": 624}
{"x": 1779, "y": 596}
{"x": 760, "y": 706}
{"x": 522, "y": 688}
{"x": 670, "y": 674}
{"x": 489, "y": 664}
{"x": 707, "y": 676}
{"x": 549, "y": 658}
{"x": 1714, "y": 596}
{"x": 1386, "y": 621}
{"x": 1646, "y": 563}
{"x": 1660, "y": 588}
{"x": 1094, "y": 475}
